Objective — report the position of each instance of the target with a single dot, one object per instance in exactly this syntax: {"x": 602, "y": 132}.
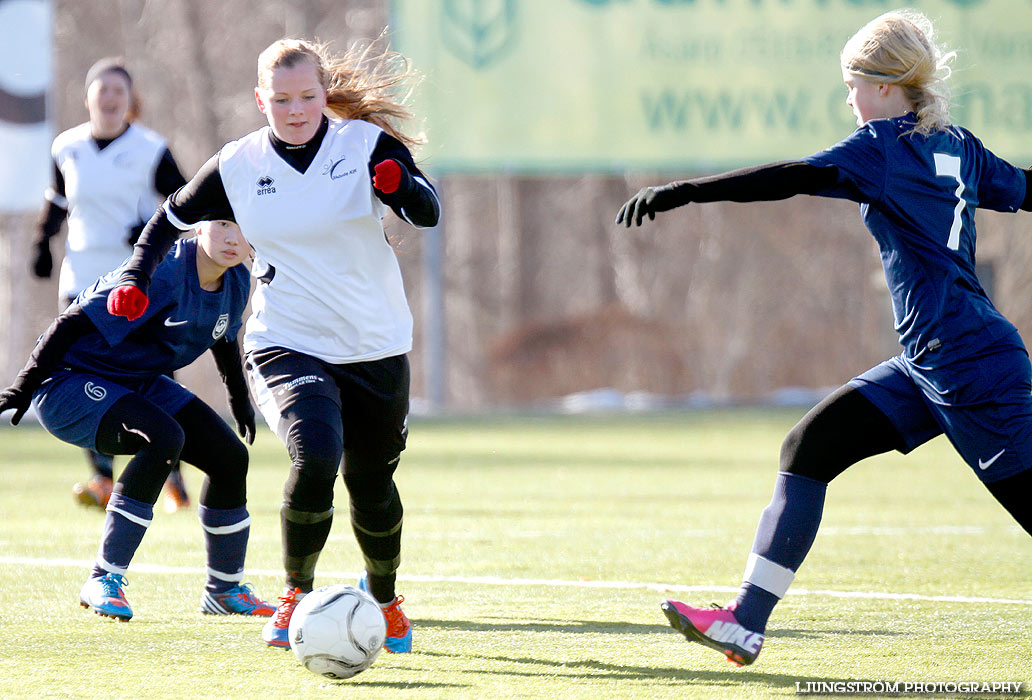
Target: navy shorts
{"x": 71, "y": 404}
{"x": 983, "y": 408}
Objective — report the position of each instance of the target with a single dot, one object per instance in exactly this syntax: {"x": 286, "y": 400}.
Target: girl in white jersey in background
{"x": 110, "y": 174}
{"x": 326, "y": 344}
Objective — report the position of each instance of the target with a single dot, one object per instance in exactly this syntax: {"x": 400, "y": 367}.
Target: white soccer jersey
{"x": 329, "y": 282}
{"x": 106, "y": 194}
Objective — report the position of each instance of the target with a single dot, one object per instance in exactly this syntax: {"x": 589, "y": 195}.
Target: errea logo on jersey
{"x": 265, "y": 185}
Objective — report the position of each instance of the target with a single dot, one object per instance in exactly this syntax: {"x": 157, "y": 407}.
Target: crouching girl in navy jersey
{"x": 964, "y": 371}
{"x": 98, "y": 381}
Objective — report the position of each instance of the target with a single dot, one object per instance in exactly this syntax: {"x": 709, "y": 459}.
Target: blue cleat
{"x": 239, "y": 600}
{"x": 399, "y": 629}
{"x": 104, "y": 595}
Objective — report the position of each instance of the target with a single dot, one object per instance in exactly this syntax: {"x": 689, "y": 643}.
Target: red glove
{"x": 388, "y": 176}
{"x": 127, "y": 301}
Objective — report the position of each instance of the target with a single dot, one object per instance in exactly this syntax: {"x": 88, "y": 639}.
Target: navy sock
{"x": 225, "y": 538}
{"x": 784, "y": 535}
{"x": 753, "y": 607}
{"x": 125, "y": 524}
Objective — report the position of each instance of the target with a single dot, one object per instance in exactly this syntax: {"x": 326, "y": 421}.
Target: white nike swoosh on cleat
{"x": 169, "y": 322}
{"x": 985, "y": 465}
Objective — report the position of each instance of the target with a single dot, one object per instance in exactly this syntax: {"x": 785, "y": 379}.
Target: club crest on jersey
{"x": 338, "y": 169}
{"x": 265, "y": 185}
{"x": 220, "y": 327}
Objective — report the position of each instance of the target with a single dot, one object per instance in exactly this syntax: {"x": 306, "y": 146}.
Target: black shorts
{"x": 372, "y": 398}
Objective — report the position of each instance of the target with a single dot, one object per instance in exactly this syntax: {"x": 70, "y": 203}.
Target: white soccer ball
{"x": 337, "y": 631}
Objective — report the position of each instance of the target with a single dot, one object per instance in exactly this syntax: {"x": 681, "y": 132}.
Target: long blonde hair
{"x": 368, "y": 82}
{"x": 899, "y": 48}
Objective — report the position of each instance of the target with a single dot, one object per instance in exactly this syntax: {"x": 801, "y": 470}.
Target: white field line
{"x": 825, "y": 531}
{"x": 549, "y": 583}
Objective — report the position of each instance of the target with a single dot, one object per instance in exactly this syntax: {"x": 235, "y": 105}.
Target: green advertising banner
{"x": 687, "y": 85}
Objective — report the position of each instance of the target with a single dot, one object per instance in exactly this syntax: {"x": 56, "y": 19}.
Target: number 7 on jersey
{"x": 949, "y": 166}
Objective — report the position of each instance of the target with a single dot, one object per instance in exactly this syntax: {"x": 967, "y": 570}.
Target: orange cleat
{"x": 176, "y": 497}
{"x": 276, "y": 632}
{"x": 94, "y": 493}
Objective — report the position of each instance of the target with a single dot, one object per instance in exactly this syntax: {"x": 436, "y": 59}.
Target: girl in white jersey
{"x": 326, "y": 344}
{"x": 109, "y": 175}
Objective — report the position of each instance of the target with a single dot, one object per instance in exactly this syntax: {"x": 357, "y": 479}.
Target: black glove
{"x": 647, "y": 202}
{"x": 134, "y": 233}
{"x": 243, "y": 414}
{"x": 42, "y": 260}
{"x": 16, "y": 398}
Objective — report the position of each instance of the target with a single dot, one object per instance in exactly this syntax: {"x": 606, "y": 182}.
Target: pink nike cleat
{"x": 715, "y": 627}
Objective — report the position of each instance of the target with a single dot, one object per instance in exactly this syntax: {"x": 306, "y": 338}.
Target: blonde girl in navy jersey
{"x": 964, "y": 370}
{"x": 326, "y": 345}
{"x": 109, "y": 175}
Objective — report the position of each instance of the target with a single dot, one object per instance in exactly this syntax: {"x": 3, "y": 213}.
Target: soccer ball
{"x": 337, "y": 631}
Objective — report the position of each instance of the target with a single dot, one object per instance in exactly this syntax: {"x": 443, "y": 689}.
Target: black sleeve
{"x": 53, "y": 214}
{"x": 50, "y": 221}
{"x": 227, "y": 361}
{"x": 46, "y": 357}
{"x": 419, "y": 205}
{"x": 758, "y": 183}
{"x": 202, "y": 199}
{"x": 1027, "y": 204}
{"x": 59, "y": 183}
{"x": 156, "y": 239}
{"x": 167, "y": 178}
